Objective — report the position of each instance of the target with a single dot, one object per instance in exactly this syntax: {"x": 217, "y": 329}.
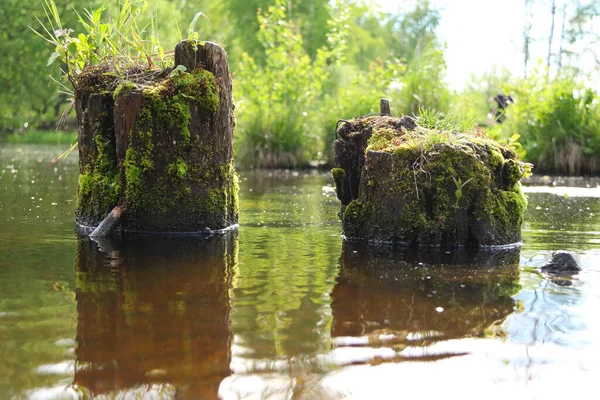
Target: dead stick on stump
{"x": 108, "y": 223}
{"x": 384, "y": 107}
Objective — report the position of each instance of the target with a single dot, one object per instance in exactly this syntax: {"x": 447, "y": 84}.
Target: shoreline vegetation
{"x": 298, "y": 69}
{"x": 41, "y": 137}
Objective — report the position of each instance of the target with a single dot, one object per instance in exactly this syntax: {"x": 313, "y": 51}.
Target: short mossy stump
{"x": 158, "y": 144}
{"x": 402, "y": 183}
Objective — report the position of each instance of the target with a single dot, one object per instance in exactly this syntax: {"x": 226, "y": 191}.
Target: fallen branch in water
{"x": 108, "y": 223}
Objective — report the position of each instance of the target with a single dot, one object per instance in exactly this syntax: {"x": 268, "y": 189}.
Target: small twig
{"x": 337, "y": 124}
{"x": 416, "y": 186}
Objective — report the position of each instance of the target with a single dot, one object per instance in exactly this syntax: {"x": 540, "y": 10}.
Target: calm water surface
{"x": 283, "y": 308}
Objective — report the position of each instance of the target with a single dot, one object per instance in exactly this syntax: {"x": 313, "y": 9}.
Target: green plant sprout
{"x": 459, "y": 187}
{"x": 192, "y": 33}
{"x": 120, "y": 42}
{"x": 429, "y": 118}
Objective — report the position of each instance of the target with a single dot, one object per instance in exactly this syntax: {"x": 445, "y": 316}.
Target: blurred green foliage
{"x": 276, "y": 101}
{"x": 301, "y": 65}
{"x": 289, "y": 104}
{"x": 558, "y": 122}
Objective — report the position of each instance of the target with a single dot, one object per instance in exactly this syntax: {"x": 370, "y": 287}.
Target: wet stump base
{"x": 401, "y": 183}
{"x": 159, "y": 144}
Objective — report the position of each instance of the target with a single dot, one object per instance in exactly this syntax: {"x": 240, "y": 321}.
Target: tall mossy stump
{"x": 399, "y": 182}
{"x": 155, "y": 147}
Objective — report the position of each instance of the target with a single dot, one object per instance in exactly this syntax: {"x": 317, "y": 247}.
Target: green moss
{"x": 235, "y": 192}
{"x": 200, "y": 87}
{"x": 496, "y": 160}
{"x": 178, "y": 169}
{"x": 139, "y": 155}
{"x": 435, "y": 185}
{"x": 382, "y": 139}
{"x": 507, "y": 208}
{"x": 512, "y": 173}
{"x": 354, "y": 218}
{"x": 99, "y": 184}
{"x": 166, "y": 177}
{"x": 339, "y": 178}
{"x": 125, "y": 86}
{"x": 95, "y": 79}
{"x": 85, "y": 187}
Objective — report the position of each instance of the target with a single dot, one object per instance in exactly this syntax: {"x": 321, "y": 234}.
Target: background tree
{"x": 29, "y": 96}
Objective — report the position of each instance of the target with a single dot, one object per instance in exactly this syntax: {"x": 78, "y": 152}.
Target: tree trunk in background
{"x": 550, "y": 38}
{"x": 562, "y": 36}
{"x": 526, "y": 37}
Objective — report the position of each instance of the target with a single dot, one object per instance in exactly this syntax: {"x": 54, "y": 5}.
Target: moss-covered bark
{"x": 156, "y": 147}
{"x": 423, "y": 187}
{"x": 99, "y": 184}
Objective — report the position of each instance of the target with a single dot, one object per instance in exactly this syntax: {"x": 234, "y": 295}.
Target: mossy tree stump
{"x": 159, "y": 144}
{"x": 401, "y": 183}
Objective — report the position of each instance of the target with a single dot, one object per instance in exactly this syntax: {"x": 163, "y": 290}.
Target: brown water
{"x": 283, "y": 308}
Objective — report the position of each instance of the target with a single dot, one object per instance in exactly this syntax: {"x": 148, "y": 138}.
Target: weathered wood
{"x": 162, "y": 147}
{"x": 107, "y": 225}
{"x": 213, "y": 58}
{"x": 95, "y": 142}
{"x": 384, "y": 107}
{"x": 396, "y": 187}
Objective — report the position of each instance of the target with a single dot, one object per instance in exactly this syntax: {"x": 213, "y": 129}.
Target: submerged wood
{"x": 160, "y": 145}
{"x": 401, "y": 183}
{"x": 108, "y": 224}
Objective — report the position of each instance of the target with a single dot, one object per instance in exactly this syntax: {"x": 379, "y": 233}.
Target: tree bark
{"x": 162, "y": 148}
{"x": 562, "y": 36}
{"x": 384, "y": 107}
{"x": 108, "y": 223}
{"x": 550, "y": 38}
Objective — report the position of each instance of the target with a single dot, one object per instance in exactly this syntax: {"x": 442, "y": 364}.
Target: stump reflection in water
{"x": 407, "y": 298}
{"x": 153, "y": 313}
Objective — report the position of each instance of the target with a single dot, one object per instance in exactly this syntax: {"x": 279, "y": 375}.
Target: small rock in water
{"x": 561, "y": 262}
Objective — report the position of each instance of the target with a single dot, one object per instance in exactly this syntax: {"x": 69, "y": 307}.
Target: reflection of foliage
{"x": 281, "y": 294}
{"x": 37, "y": 321}
{"x": 578, "y": 216}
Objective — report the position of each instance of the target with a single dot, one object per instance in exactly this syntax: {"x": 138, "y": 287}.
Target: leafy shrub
{"x": 278, "y": 102}
{"x": 558, "y": 122}
{"x": 423, "y": 84}
{"x": 354, "y": 93}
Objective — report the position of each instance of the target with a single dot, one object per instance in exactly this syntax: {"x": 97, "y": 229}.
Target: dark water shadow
{"x": 402, "y": 298}
{"x": 154, "y": 313}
